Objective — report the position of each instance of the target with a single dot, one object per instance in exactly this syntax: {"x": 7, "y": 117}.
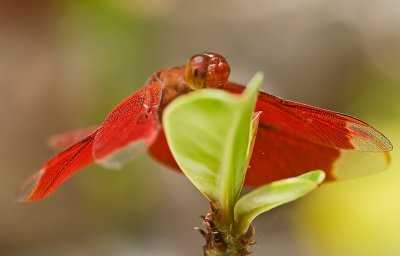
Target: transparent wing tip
{"x": 28, "y": 187}
{"x": 369, "y": 139}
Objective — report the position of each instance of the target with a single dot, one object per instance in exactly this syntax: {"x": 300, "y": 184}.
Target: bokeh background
{"x": 66, "y": 64}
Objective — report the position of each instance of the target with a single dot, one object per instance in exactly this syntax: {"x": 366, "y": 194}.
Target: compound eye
{"x": 218, "y": 72}
{"x": 196, "y": 71}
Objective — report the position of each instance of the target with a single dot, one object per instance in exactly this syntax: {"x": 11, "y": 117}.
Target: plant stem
{"x": 222, "y": 241}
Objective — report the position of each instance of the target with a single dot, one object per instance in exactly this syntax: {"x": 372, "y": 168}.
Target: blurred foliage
{"x": 371, "y": 98}
{"x": 115, "y": 45}
{"x": 358, "y": 217}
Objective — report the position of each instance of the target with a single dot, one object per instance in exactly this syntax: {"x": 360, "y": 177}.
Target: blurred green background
{"x": 66, "y": 64}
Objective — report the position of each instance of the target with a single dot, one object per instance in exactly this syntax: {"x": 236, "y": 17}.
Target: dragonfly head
{"x": 206, "y": 70}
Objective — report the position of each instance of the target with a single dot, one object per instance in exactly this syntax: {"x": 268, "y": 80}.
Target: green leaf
{"x": 272, "y": 195}
{"x": 209, "y": 133}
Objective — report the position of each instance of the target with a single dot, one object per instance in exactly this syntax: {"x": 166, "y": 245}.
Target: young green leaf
{"x": 209, "y": 133}
{"x": 272, "y": 195}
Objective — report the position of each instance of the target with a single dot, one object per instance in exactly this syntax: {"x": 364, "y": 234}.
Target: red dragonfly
{"x": 292, "y": 138}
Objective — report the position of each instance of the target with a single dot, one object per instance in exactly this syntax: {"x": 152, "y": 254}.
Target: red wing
{"x": 134, "y": 121}
{"x": 324, "y": 127}
{"x": 64, "y": 140}
{"x": 130, "y": 128}
{"x": 160, "y": 151}
{"x": 57, "y": 170}
{"x": 294, "y": 138}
